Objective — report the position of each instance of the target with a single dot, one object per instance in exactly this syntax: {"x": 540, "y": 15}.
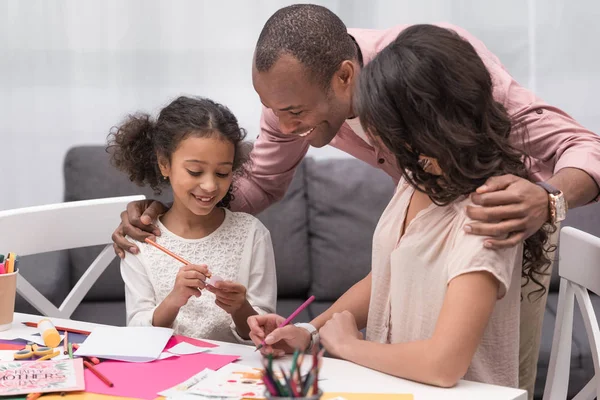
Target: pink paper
{"x": 178, "y": 339}
{"x": 145, "y": 380}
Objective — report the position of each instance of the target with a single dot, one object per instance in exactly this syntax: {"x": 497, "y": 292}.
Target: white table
{"x": 342, "y": 376}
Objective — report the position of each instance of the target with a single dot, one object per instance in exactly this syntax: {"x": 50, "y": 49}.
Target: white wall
{"x": 70, "y": 69}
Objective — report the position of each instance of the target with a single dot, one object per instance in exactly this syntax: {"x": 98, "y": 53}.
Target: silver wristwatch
{"x": 314, "y": 333}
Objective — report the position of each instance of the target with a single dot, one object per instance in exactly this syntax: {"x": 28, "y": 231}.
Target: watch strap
{"x": 549, "y": 188}
{"x": 314, "y": 333}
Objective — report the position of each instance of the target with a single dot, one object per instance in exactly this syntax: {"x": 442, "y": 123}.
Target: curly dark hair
{"x": 135, "y": 144}
{"x": 429, "y": 93}
{"x": 312, "y": 34}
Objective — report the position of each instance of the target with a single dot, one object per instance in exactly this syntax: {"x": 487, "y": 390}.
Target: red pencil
{"x": 58, "y": 328}
{"x": 167, "y": 251}
{"x": 97, "y": 373}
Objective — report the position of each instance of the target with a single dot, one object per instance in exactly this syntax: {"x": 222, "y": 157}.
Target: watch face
{"x": 560, "y": 209}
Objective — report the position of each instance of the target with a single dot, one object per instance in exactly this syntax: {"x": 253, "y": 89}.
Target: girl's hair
{"x": 428, "y": 93}
{"x": 136, "y": 144}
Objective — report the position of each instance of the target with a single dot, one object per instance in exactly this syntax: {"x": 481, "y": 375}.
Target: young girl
{"x": 196, "y": 147}
{"x": 438, "y": 304}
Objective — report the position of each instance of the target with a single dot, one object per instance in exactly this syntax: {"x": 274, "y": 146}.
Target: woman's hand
{"x": 339, "y": 333}
{"x": 278, "y": 341}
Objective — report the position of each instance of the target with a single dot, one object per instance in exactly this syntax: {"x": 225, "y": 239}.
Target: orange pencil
{"x": 93, "y": 360}
{"x": 58, "y": 328}
{"x": 167, "y": 251}
{"x": 33, "y": 396}
{"x": 97, "y": 373}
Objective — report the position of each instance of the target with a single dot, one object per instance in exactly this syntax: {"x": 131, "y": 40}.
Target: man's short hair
{"x": 312, "y": 34}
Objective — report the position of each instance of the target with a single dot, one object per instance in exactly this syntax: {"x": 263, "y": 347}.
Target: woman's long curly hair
{"x": 137, "y": 142}
{"x": 428, "y": 93}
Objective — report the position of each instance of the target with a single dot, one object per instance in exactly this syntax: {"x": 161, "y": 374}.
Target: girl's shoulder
{"x": 239, "y": 219}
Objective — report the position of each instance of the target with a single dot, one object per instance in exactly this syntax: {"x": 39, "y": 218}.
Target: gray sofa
{"x": 321, "y": 233}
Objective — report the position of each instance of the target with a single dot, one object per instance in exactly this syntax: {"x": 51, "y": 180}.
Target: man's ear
{"x": 346, "y": 73}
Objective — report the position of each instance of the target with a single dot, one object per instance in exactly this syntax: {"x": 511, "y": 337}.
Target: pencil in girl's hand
{"x": 169, "y": 252}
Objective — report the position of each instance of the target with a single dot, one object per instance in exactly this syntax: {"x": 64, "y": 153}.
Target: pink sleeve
{"x": 557, "y": 139}
{"x": 552, "y": 137}
{"x": 273, "y": 161}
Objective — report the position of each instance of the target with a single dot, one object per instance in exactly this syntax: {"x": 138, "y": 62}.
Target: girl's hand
{"x": 338, "y": 334}
{"x": 231, "y": 296}
{"x": 189, "y": 281}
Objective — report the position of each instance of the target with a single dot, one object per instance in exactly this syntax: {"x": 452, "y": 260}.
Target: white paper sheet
{"x": 185, "y": 348}
{"x": 133, "y": 344}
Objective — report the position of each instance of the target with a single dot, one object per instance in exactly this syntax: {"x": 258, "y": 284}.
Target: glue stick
{"x": 49, "y": 333}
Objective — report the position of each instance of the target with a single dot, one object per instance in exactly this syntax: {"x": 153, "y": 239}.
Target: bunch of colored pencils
{"x": 293, "y": 384}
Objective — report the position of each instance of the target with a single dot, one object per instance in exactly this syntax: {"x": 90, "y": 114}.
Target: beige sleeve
{"x": 469, "y": 255}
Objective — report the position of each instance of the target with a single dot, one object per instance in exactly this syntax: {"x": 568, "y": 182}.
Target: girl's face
{"x": 200, "y": 172}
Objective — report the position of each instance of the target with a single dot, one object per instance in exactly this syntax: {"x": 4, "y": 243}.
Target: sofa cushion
{"x": 102, "y": 312}
{"x": 345, "y": 200}
{"x": 89, "y": 175}
{"x": 49, "y": 274}
{"x": 287, "y": 221}
{"x": 286, "y": 307}
{"x": 319, "y": 307}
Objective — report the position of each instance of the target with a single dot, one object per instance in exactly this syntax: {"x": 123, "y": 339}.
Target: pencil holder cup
{"x": 317, "y": 396}
{"x": 8, "y": 292}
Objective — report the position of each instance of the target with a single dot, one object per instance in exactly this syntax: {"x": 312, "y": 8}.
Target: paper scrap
{"x": 184, "y": 386}
{"x": 214, "y": 279}
{"x": 132, "y": 344}
{"x": 184, "y": 348}
{"x": 165, "y": 354}
{"x": 232, "y": 380}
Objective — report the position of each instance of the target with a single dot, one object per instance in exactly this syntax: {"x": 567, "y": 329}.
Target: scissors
{"x": 32, "y": 350}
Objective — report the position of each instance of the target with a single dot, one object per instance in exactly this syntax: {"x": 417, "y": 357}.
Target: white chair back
{"x": 579, "y": 271}
{"x": 61, "y": 226}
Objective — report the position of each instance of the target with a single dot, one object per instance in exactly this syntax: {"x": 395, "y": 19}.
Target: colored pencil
{"x": 169, "y": 252}
{"x": 98, "y": 374}
{"x": 70, "y": 350}
{"x": 65, "y": 343}
{"x": 33, "y": 396}
{"x": 292, "y": 384}
{"x": 291, "y": 317}
{"x": 59, "y": 328}
{"x": 93, "y": 360}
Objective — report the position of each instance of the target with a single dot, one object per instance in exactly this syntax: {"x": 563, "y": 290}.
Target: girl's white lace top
{"x": 239, "y": 250}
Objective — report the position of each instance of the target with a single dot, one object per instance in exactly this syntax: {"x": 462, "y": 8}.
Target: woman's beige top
{"x": 410, "y": 277}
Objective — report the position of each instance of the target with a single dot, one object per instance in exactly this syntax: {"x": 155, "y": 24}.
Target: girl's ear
{"x": 164, "y": 165}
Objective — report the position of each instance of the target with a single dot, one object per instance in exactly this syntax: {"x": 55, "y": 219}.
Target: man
{"x": 305, "y": 66}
